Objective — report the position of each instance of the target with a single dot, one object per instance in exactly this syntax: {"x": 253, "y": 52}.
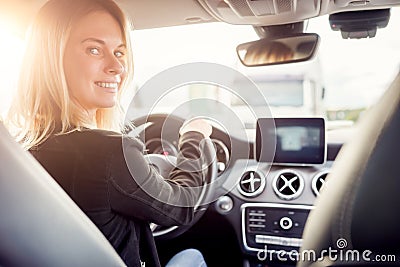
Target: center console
{"x": 273, "y": 227}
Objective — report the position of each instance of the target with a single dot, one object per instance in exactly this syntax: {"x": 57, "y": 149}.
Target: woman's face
{"x": 94, "y": 61}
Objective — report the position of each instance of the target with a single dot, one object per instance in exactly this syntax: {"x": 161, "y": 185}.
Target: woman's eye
{"x": 94, "y": 51}
{"x": 119, "y": 54}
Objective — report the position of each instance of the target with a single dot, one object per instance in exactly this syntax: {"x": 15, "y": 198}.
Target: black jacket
{"x": 101, "y": 170}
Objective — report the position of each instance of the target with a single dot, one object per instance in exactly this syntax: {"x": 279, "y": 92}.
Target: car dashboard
{"x": 265, "y": 205}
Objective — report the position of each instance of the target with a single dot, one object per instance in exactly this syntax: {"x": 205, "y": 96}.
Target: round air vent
{"x": 288, "y": 185}
{"x": 251, "y": 184}
{"x": 318, "y": 182}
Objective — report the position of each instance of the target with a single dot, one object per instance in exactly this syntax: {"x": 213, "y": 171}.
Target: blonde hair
{"x": 43, "y": 104}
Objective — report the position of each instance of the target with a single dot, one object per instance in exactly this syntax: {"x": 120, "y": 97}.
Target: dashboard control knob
{"x": 285, "y": 223}
{"x": 224, "y": 204}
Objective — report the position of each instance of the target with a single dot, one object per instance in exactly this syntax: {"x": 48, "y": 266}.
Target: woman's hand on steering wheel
{"x": 198, "y": 125}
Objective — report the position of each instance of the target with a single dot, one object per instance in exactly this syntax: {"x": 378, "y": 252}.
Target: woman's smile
{"x": 109, "y": 87}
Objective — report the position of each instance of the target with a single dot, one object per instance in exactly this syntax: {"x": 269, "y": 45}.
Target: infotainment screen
{"x": 294, "y": 140}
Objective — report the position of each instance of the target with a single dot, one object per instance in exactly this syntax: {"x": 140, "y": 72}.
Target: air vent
{"x": 251, "y": 184}
{"x": 318, "y": 182}
{"x": 288, "y": 185}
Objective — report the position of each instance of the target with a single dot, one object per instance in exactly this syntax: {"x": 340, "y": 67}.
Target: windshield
{"x": 278, "y": 92}
{"x": 345, "y": 78}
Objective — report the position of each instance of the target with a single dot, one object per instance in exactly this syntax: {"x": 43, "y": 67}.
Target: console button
{"x": 285, "y": 223}
{"x": 296, "y": 242}
{"x": 285, "y": 241}
{"x": 266, "y": 239}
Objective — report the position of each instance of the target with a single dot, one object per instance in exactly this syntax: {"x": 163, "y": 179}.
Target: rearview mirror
{"x": 285, "y": 49}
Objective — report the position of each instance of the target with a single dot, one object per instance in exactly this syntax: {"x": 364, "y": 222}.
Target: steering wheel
{"x": 165, "y": 163}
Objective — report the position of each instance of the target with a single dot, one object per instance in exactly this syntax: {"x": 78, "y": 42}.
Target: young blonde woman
{"x": 77, "y": 63}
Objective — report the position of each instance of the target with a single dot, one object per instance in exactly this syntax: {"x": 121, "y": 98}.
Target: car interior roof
{"x": 184, "y": 12}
